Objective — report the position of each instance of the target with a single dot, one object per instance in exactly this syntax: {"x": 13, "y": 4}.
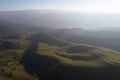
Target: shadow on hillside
{"x": 48, "y": 68}
{"x": 79, "y": 49}
{"x": 38, "y": 64}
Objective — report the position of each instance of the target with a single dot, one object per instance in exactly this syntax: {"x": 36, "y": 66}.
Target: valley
{"x": 42, "y": 52}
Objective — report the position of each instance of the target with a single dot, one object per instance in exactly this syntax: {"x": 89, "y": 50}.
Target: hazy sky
{"x": 80, "y": 5}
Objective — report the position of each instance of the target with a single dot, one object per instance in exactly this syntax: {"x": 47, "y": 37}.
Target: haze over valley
{"x": 63, "y": 19}
{"x": 59, "y": 40}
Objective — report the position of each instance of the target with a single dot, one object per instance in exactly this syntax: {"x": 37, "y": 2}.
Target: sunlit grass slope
{"x": 85, "y": 58}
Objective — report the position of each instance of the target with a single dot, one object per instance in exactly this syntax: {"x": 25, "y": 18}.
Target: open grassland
{"x": 94, "y": 62}
{"x": 10, "y": 67}
{"x": 86, "y": 59}
{"x": 110, "y": 55}
{"x": 49, "y": 60}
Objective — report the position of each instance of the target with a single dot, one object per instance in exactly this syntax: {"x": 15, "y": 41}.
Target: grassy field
{"x": 111, "y": 55}
{"x": 47, "y": 60}
{"x": 86, "y": 59}
{"x": 10, "y": 67}
{"x": 95, "y": 62}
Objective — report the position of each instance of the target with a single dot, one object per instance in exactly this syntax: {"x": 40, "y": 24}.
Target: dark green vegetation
{"x": 40, "y": 53}
{"x": 78, "y": 49}
{"x": 11, "y": 52}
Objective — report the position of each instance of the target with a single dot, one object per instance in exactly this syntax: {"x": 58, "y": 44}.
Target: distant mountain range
{"x": 61, "y": 19}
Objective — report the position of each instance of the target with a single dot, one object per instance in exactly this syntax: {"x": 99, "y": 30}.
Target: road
{"x": 106, "y": 60}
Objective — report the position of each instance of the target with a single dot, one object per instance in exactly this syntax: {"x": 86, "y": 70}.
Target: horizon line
{"x": 78, "y": 11}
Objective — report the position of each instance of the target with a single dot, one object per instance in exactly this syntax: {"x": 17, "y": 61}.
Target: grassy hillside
{"x": 54, "y": 59}
{"x": 30, "y": 55}
{"x": 11, "y": 52}
{"x": 57, "y": 61}
{"x": 87, "y": 58}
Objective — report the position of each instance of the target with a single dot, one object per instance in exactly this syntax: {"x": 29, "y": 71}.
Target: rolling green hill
{"x": 88, "y": 55}
{"x": 30, "y": 55}
{"x": 51, "y": 61}
{"x": 98, "y": 61}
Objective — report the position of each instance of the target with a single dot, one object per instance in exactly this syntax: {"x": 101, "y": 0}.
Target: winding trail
{"x": 106, "y": 60}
